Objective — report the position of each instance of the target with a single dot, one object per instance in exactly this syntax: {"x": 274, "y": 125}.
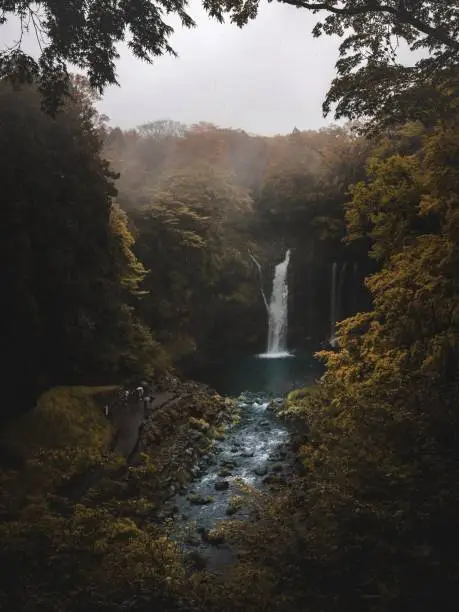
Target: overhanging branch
{"x": 372, "y": 6}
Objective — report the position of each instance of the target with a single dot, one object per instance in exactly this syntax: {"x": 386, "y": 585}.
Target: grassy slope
{"x": 67, "y": 426}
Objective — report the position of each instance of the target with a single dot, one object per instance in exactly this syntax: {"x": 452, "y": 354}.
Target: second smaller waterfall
{"x": 278, "y": 311}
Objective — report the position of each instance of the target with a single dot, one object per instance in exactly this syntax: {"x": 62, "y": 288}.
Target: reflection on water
{"x": 274, "y": 377}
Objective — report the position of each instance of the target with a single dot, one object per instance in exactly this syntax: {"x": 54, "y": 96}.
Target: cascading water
{"x": 278, "y": 320}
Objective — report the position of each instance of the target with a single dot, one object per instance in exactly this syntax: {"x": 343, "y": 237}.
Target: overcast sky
{"x": 265, "y": 78}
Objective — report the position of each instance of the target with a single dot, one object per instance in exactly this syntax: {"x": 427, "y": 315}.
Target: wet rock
{"x": 265, "y": 424}
{"x": 197, "y": 561}
{"x": 247, "y": 453}
{"x": 274, "y": 479}
{"x": 277, "y": 467}
{"x": 260, "y": 470}
{"x": 224, "y": 472}
{"x": 228, "y": 463}
{"x": 192, "y": 539}
{"x": 221, "y": 485}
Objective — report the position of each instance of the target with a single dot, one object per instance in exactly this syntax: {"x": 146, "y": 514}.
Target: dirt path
{"x": 128, "y": 420}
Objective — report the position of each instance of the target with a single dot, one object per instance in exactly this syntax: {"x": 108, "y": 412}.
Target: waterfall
{"x": 277, "y": 331}
{"x": 258, "y": 265}
{"x": 333, "y": 313}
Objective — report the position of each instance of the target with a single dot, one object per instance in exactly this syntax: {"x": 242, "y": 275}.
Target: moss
{"x": 235, "y": 504}
{"x": 199, "y": 500}
{"x": 298, "y": 402}
{"x": 65, "y": 433}
{"x": 63, "y": 416}
{"x": 199, "y": 424}
{"x": 215, "y": 536}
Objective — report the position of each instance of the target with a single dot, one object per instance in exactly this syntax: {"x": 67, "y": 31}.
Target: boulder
{"x": 221, "y": 485}
{"x": 261, "y": 470}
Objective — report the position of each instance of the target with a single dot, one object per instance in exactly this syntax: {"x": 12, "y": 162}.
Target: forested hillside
{"x": 130, "y": 260}
{"x": 202, "y": 199}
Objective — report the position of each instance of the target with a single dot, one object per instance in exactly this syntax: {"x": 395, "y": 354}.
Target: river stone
{"x": 247, "y": 453}
{"x": 277, "y": 467}
{"x": 261, "y": 470}
{"x": 221, "y": 485}
{"x": 224, "y": 472}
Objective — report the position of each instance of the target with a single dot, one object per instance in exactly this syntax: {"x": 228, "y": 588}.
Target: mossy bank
{"x": 80, "y": 526}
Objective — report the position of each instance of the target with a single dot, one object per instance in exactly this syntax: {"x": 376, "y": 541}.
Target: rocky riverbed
{"x": 254, "y": 451}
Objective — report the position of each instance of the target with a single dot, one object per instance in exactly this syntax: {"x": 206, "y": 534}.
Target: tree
{"x": 192, "y": 238}
{"x": 371, "y": 81}
{"x": 69, "y": 278}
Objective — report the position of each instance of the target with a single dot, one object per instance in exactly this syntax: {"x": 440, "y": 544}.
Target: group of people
{"x": 141, "y": 393}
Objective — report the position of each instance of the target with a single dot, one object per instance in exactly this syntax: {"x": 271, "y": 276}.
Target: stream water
{"x": 253, "y": 450}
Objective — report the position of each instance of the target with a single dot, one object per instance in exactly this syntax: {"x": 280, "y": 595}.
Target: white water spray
{"x": 278, "y": 313}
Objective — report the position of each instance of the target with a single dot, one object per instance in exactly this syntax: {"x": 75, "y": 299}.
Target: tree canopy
{"x": 69, "y": 274}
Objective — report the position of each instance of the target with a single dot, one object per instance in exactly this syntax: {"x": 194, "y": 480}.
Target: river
{"x": 253, "y": 451}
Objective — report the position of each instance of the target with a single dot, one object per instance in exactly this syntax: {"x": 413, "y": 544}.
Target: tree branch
{"x": 374, "y": 7}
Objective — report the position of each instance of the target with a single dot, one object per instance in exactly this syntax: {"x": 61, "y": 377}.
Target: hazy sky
{"x": 265, "y": 78}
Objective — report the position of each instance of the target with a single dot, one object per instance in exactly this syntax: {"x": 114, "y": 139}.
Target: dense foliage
{"x": 203, "y": 199}
{"x": 69, "y": 275}
{"x": 369, "y": 522}
{"x": 375, "y": 510}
